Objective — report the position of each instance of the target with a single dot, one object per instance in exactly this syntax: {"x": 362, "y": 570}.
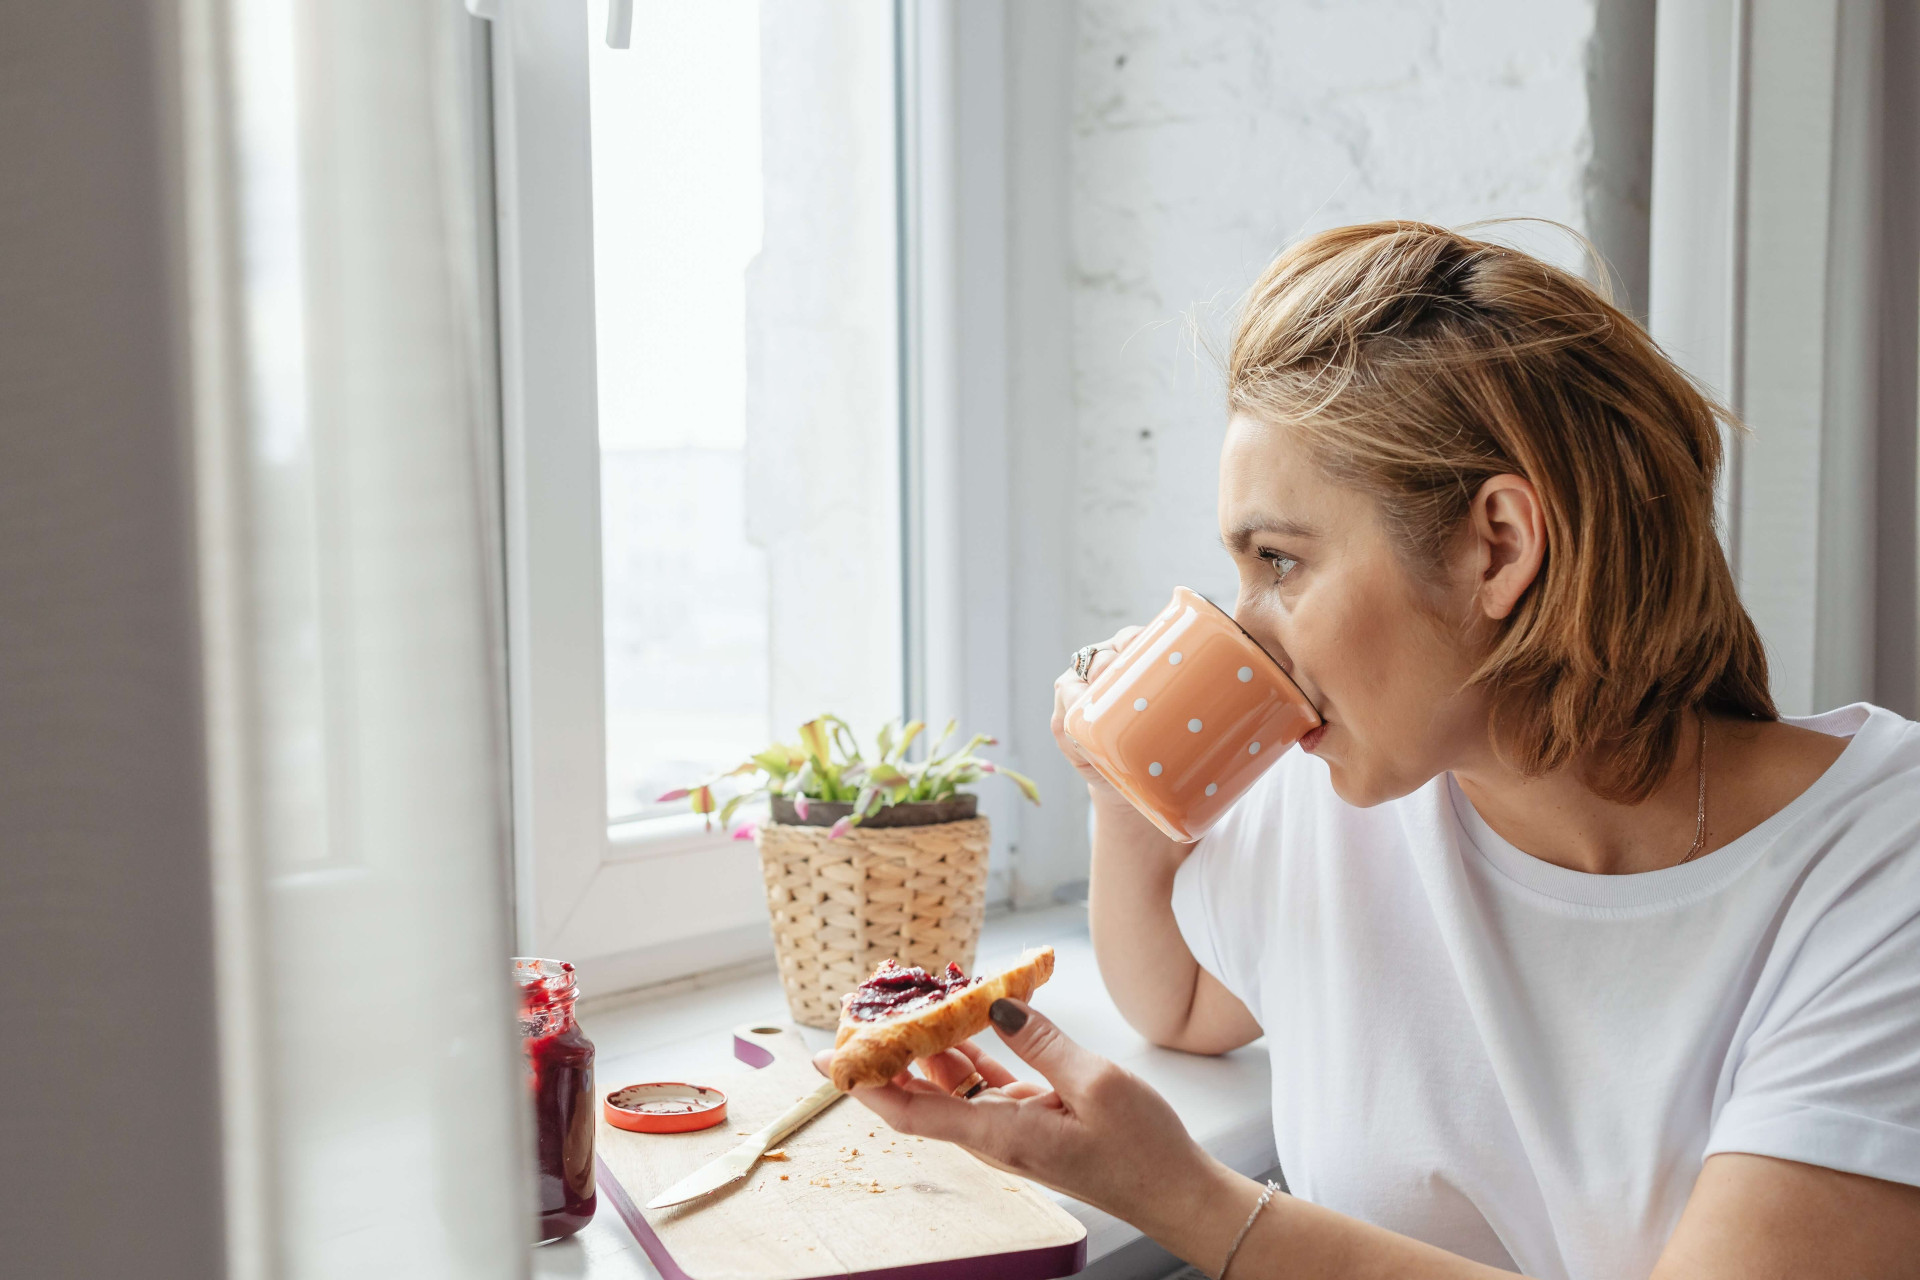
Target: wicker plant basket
{"x": 916, "y": 894}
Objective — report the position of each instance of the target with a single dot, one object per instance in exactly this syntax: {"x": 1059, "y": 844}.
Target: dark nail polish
{"x": 1007, "y": 1016}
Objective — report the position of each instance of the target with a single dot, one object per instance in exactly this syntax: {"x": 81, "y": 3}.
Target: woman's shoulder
{"x": 1853, "y": 757}
{"x": 1858, "y": 819}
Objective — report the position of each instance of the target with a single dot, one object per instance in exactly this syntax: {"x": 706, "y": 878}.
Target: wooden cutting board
{"x": 853, "y": 1198}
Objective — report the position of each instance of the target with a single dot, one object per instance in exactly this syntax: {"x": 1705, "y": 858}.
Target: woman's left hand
{"x": 1099, "y": 1133}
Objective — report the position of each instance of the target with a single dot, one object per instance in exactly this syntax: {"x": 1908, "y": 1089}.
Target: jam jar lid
{"x": 665, "y": 1106}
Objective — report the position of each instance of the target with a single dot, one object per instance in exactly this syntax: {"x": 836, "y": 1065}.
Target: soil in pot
{"x": 955, "y": 808}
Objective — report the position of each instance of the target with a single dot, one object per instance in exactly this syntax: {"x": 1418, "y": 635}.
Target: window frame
{"x": 575, "y": 878}
{"x": 594, "y": 892}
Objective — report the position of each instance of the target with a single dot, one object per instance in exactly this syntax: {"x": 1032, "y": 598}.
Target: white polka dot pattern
{"x": 1212, "y": 787}
{"x": 1193, "y": 726}
{"x": 1253, "y": 748}
{"x": 1173, "y": 659}
{"x": 1246, "y": 674}
{"x": 1154, "y": 768}
{"x": 1139, "y": 704}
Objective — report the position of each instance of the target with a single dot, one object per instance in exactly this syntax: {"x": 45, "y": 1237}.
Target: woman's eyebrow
{"x": 1240, "y": 536}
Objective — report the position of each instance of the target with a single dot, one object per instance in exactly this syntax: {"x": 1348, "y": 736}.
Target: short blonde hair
{"x": 1415, "y": 363}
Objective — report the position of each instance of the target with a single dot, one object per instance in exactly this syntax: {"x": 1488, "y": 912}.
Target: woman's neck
{"x": 1753, "y": 769}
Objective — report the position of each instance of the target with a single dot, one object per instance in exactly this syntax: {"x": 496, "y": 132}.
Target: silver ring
{"x": 1083, "y": 659}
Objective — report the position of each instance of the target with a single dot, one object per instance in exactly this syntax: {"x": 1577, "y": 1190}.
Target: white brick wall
{"x": 1205, "y": 137}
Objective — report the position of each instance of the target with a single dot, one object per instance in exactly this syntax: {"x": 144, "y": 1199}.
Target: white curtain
{"x": 1785, "y": 251}
{"x": 342, "y": 396}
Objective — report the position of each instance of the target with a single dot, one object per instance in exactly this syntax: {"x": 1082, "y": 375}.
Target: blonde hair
{"x": 1415, "y": 363}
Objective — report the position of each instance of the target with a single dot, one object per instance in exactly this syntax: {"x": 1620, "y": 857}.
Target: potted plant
{"x": 864, "y": 859}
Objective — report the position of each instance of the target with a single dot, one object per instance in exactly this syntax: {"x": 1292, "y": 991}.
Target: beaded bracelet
{"x": 1246, "y": 1227}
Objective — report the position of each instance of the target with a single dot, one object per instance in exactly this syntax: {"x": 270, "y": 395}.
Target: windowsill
{"x": 683, "y": 1032}
{"x": 667, "y": 834}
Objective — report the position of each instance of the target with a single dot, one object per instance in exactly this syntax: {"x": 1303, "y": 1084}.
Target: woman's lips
{"x": 1311, "y": 739}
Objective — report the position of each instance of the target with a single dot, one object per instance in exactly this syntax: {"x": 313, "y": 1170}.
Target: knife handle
{"x": 799, "y": 1113}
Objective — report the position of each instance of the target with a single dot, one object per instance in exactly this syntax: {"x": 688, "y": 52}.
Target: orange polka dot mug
{"x": 1188, "y": 716}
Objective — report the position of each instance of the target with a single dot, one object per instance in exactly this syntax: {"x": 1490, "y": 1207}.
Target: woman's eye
{"x": 1283, "y": 564}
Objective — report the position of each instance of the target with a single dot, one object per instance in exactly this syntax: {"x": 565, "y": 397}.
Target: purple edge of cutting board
{"x": 1030, "y": 1264}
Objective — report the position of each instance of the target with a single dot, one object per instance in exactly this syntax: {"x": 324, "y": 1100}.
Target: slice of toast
{"x": 874, "y": 1052}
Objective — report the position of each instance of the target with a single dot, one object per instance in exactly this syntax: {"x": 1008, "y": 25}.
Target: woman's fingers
{"x": 1043, "y": 1046}
{"x": 945, "y": 1071}
{"x": 990, "y": 1071}
{"x": 1100, "y": 1133}
{"x": 925, "y": 1109}
{"x": 948, "y": 1069}
{"x": 1069, "y": 688}
{"x": 1110, "y": 651}
{"x": 1027, "y": 1089}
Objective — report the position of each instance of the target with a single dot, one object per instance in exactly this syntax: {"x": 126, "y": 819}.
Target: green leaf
{"x": 775, "y": 761}
{"x": 843, "y": 737}
{"x": 813, "y": 736}
{"x": 885, "y": 739}
{"x": 726, "y": 810}
{"x": 868, "y": 803}
{"x": 933, "y": 752}
{"x": 886, "y": 775}
{"x": 977, "y": 740}
{"x": 1022, "y": 781}
{"x": 913, "y": 730}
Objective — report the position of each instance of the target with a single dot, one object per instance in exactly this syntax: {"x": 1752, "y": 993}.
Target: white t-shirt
{"x": 1527, "y": 1065}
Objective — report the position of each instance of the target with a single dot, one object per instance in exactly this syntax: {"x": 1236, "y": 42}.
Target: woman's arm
{"x": 1757, "y": 1218}
{"x": 1749, "y": 1218}
{"x": 1102, "y": 1135}
{"x": 1154, "y": 980}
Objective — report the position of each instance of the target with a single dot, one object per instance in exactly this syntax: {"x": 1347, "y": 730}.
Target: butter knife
{"x": 736, "y": 1164}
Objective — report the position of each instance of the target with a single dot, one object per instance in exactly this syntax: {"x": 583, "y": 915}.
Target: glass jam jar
{"x": 560, "y": 1075}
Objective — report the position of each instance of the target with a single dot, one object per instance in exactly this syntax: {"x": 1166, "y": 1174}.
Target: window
{"x": 700, "y": 303}
{"x": 677, "y": 224}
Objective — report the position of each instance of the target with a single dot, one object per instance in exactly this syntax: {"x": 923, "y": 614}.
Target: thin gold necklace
{"x": 1700, "y": 823}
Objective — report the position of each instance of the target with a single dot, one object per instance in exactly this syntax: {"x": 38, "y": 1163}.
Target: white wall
{"x": 1202, "y": 144}
{"x": 1198, "y": 140}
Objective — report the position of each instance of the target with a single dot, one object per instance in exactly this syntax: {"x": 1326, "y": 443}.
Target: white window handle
{"x": 619, "y": 19}
{"x": 619, "y": 24}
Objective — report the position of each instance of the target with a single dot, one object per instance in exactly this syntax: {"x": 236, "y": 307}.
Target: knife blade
{"x": 737, "y": 1163}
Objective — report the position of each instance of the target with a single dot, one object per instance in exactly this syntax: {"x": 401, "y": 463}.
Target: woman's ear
{"x": 1510, "y": 542}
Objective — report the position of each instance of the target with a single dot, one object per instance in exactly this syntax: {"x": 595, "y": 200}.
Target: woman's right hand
{"x": 1069, "y": 688}
{"x": 1093, "y": 1130}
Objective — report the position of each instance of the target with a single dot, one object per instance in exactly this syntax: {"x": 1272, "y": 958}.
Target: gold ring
{"x": 970, "y": 1086}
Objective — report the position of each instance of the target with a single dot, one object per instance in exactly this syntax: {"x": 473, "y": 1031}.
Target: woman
{"x": 1572, "y": 957}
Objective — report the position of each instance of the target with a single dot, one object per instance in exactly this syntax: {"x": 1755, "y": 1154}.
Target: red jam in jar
{"x": 560, "y": 1075}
